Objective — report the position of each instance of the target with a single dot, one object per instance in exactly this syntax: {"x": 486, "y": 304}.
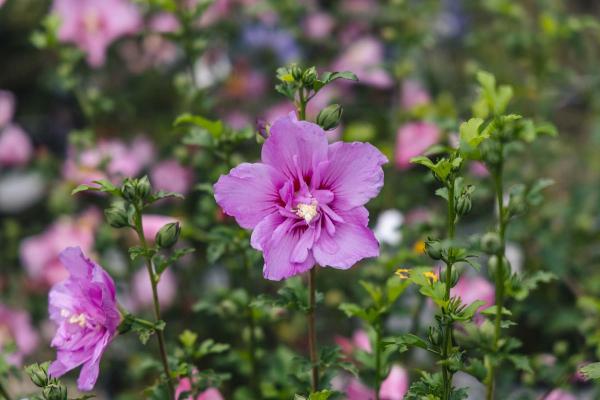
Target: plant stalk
{"x": 447, "y": 343}
{"x": 312, "y": 334}
{"x": 377, "y": 358}
{"x": 159, "y": 333}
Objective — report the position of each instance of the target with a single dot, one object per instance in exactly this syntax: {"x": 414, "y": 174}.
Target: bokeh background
{"x": 86, "y": 108}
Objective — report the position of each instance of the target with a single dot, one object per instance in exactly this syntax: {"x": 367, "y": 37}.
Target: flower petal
{"x": 295, "y": 147}
{"x": 263, "y": 232}
{"x": 354, "y": 173}
{"x": 278, "y": 253}
{"x": 351, "y": 242}
{"x": 249, "y": 193}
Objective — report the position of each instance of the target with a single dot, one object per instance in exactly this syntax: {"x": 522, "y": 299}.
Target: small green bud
{"x": 490, "y": 243}
{"x": 296, "y": 72}
{"x": 434, "y": 248}
{"x": 309, "y": 76}
{"x": 143, "y": 187}
{"x": 55, "y": 391}
{"x": 38, "y": 373}
{"x": 329, "y": 117}
{"x": 434, "y": 336}
{"x": 463, "y": 205}
{"x": 168, "y": 235}
{"x": 116, "y": 215}
{"x": 128, "y": 189}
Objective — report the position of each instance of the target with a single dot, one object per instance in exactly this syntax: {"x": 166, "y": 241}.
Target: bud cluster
{"x": 52, "y": 389}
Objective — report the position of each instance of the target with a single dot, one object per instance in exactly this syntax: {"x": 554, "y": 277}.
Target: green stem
{"x": 252, "y": 327}
{"x": 153, "y": 282}
{"x": 377, "y": 358}
{"x": 447, "y": 342}
{"x": 4, "y": 392}
{"x": 302, "y": 105}
{"x": 312, "y": 334}
{"x": 499, "y": 188}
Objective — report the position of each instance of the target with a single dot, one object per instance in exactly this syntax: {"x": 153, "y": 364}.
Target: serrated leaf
{"x": 591, "y": 371}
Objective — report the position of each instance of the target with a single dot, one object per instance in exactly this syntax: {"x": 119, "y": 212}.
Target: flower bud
{"x": 56, "y": 391}
{"x": 433, "y": 248}
{"x": 168, "y": 235}
{"x": 38, "y": 373}
{"x": 329, "y": 117}
{"x": 143, "y": 187}
{"x": 309, "y": 76}
{"x": 128, "y": 189}
{"x": 490, "y": 243}
{"x": 116, "y": 215}
{"x": 463, "y": 204}
{"x": 263, "y": 128}
{"x": 296, "y": 72}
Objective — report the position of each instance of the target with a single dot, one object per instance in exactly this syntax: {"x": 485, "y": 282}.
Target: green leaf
{"x": 591, "y": 371}
{"x": 521, "y": 362}
{"x": 470, "y": 134}
{"x": 103, "y": 186}
{"x": 215, "y": 128}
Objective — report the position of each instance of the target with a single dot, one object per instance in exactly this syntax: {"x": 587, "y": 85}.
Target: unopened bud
{"x": 433, "y": 248}
{"x": 296, "y": 72}
{"x": 128, "y": 189}
{"x": 116, "y": 215}
{"x": 55, "y": 391}
{"x": 490, "y": 243}
{"x": 329, "y": 117}
{"x": 38, "y": 373}
{"x": 263, "y": 128}
{"x": 168, "y": 235}
{"x": 143, "y": 187}
{"x": 309, "y": 76}
{"x": 463, "y": 205}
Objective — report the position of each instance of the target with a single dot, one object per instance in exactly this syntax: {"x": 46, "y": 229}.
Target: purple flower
{"x": 171, "y": 176}
{"x": 15, "y": 146}
{"x": 7, "y": 107}
{"x": 85, "y": 308}
{"x": 305, "y": 200}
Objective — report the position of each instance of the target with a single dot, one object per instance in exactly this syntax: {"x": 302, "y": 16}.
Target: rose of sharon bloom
{"x": 413, "y": 95}
{"x": 305, "y": 200}
{"x": 15, "y": 327}
{"x": 93, "y": 25}
{"x": 15, "y": 146}
{"x": 171, "y": 176}
{"x": 209, "y": 394}
{"x": 38, "y": 254}
{"x": 85, "y": 309}
{"x": 7, "y": 107}
{"x": 394, "y": 387}
{"x": 412, "y": 140}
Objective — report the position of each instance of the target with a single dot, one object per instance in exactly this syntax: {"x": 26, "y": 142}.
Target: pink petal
{"x": 294, "y": 147}
{"x": 277, "y": 253}
{"x": 249, "y": 193}
{"x": 354, "y": 173}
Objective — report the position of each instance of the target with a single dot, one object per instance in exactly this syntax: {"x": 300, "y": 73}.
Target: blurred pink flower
{"x": 84, "y": 307}
{"x": 472, "y": 288}
{"x": 152, "y": 224}
{"x": 394, "y": 387}
{"x": 360, "y": 340}
{"x": 15, "y": 327}
{"x": 15, "y": 146}
{"x": 209, "y": 394}
{"x": 318, "y": 25}
{"x": 164, "y": 23}
{"x": 142, "y": 290}
{"x": 39, "y": 253}
{"x": 93, "y": 25}
{"x": 559, "y": 394}
{"x": 171, "y": 176}
{"x": 7, "y": 107}
{"x": 479, "y": 169}
{"x": 111, "y": 159}
{"x": 365, "y": 57}
{"x": 413, "y": 95}
{"x": 413, "y": 139}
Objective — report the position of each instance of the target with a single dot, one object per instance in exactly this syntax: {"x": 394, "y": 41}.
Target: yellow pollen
{"x": 64, "y": 313}
{"x": 419, "y": 247}
{"x": 431, "y": 275}
{"x": 402, "y": 273}
{"x": 307, "y": 211}
{"x": 79, "y": 319}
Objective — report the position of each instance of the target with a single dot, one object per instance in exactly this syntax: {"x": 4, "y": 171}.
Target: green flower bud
{"x": 329, "y": 117}
{"x": 463, "y": 205}
{"x": 128, "y": 189}
{"x": 56, "y": 391}
{"x": 434, "y": 248}
{"x": 143, "y": 187}
{"x": 309, "y": 76}
{"x": 168, "y": 235}
{"x": 490, "y": 243}
{"x": 38, "y": 374}
{"x": 116, "y": 215}
{"x": 296, "y": 72}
